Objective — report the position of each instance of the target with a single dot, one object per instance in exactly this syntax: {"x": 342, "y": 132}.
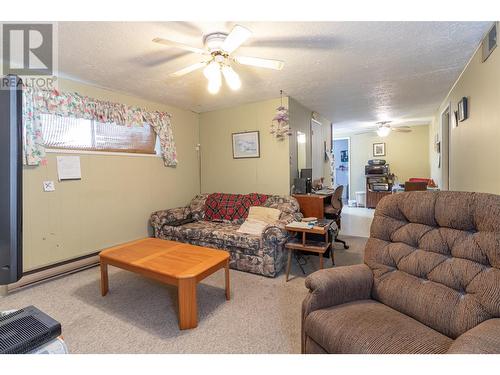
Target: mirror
{"x": 301, "y": 150}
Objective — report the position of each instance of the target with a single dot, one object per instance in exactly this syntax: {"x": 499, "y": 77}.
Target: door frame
{"x": 316, "y": 123}
{"x": 445, "y": 130}
{"x": 348, "y": 163}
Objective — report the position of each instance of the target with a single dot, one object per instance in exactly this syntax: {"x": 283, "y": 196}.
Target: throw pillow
{"x": 266, "y": 214}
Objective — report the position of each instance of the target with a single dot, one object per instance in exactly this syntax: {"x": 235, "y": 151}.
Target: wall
{"x": 474, "y": 144}
{"x": 300, "y": 120}
{"x": 407, "y": 154}
{"x": 113, "y": 201}
{"x": 220, "y": 172}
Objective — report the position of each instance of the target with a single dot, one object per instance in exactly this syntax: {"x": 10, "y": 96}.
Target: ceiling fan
{"x": 218, "y": 49}
{"x": 384, "y": 129}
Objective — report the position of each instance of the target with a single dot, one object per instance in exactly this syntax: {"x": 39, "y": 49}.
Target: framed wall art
{"x": 246, "y": 145}
{"x": 379, "y": 149}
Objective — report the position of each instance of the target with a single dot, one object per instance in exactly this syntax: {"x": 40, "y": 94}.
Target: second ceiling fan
{"x": 218, "y": 50}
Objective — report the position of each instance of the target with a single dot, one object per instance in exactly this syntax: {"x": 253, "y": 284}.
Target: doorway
{"x": 445, "y": 149}
{"x": 342, "y": 157}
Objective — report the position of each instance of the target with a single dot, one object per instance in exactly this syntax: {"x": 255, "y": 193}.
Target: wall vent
{"x": 490, "y": 41}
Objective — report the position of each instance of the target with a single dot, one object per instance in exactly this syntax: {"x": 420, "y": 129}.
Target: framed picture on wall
{"x": 463, "y": 110}
{"x": 379, "y": 149}
{"x": 246, "y": 145}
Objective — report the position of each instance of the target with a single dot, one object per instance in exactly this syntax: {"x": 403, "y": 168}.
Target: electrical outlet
{"x": 49, "y": 186}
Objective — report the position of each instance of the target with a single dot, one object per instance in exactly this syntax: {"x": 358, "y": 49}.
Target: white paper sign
{"x": 68, "y": 168}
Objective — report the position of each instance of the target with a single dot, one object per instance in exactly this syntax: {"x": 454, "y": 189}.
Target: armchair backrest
{"x": 435, "y": 256}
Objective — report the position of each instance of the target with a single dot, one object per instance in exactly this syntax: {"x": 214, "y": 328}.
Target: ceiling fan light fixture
{"x": 236, "y": 38}
{"x": 213, "y": 87}
{"x": 262, "y": 63}
{"x": 383, "y": 131}
{"x": 232, "y": 78}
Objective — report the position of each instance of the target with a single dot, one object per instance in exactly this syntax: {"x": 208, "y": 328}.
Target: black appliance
{"x": 306, "y": 173}
{"x": 376, "y": 169}
{"x": 11, "y": 266}
{"x": 376, "y": 162}
{"x": 302, "y": 185}
{"x": 25, "y": 330}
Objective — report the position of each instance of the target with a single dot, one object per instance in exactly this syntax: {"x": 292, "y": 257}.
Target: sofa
{"x": 263, "y": 255}
{"x": 430, "y": 282}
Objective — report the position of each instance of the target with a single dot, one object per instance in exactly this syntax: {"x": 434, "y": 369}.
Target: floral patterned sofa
{"x": 263, "y": 255}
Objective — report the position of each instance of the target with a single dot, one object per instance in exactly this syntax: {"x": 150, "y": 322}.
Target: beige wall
{"x": 475, "y": 143}
{"x": 222, "y": 173}
{"x": 300, "y": 120}
{"x": 113, "y": 201}
{"x": 407, "y": 154}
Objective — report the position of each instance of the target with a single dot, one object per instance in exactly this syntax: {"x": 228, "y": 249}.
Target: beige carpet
{"x": 140, "y": 316}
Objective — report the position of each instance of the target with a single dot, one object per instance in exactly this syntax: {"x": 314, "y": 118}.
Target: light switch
{"x": 49, "y": 186}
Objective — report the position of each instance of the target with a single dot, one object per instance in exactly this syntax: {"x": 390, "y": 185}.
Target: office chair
{"x": 334, "y": 210}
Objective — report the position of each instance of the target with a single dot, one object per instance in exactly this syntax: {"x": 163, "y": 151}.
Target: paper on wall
{"x": 68, "y": 168}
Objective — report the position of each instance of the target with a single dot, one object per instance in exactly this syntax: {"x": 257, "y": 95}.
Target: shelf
{"x": 313, "y": 246}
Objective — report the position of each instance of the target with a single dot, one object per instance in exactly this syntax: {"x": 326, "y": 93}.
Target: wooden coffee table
{"x": 169, "y": 262}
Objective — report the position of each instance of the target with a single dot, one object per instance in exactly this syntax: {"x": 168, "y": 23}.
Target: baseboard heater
{"x": 55, "y": 270}
{"x": 25, "y": 330}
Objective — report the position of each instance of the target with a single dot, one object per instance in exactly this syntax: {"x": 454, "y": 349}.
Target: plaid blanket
{"x": 231, "y": 207}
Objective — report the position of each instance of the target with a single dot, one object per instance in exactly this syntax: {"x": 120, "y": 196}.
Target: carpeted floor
{"x": 140, "y": 316}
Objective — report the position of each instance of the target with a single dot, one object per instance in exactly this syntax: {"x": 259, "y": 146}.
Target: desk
{"x": 313, "y": 204}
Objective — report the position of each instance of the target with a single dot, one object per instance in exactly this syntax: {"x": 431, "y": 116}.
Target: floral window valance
{"x": 36, "y": 102}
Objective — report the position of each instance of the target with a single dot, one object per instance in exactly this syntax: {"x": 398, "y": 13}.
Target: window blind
{"x": 82, "y": 134}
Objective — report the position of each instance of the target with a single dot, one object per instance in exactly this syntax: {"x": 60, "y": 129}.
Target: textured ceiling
{"x": 354, "y": 73}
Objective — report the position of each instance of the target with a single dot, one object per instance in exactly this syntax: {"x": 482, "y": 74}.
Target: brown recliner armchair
{"x": 430, "y": 282}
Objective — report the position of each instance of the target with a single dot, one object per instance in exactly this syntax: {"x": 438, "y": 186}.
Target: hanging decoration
{"x": 279, "y": 127}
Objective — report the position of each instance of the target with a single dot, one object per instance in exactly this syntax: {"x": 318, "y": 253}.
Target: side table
{"x": 303, "y": 244}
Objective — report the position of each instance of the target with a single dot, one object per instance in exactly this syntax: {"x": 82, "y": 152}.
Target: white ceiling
{"x": 353, "y": 73}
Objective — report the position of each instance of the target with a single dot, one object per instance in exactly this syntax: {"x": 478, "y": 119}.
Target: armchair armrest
{"x": 482, "y": 339}
{"x": 164, "y": 217}
{"x": 335, "y": 286}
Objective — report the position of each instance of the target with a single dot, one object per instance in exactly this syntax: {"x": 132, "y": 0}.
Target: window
{"x": 89, "y": 135}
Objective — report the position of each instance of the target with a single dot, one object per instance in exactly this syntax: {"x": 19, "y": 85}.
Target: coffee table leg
{"x": 188, "y": 309}
{"x": 228, "y": 289}
{"x": 288, "y": 263}
{"x": 104, "y": 279}
{"x": 320, "y": 261}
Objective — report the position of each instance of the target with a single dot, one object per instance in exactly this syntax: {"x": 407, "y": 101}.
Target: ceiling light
{"x": 383, "y": 131}
{"x": 212, "y": 72}
{"x": 232, "y": 78}
{"x": 213, "y": 87}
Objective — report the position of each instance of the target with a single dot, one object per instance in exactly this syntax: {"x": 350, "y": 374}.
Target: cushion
{"x": 369, "y": 327}
{"x": 252, "y": 226}
{"x": 197, "y": 206}
{"x": 220, "y": 234}
{"x": 265, "y": 214}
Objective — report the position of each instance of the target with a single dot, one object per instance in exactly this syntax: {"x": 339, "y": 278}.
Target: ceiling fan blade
{"x": 171, "y": 43}
{"x": 188, "y": 69}
{"x": 236, "y": 38}
{"x": 261, "y": 63}
{"x": 404, "y": 129}
{"x": 367, "y": 132}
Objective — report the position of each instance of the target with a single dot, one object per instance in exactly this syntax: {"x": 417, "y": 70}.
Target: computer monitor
{"x": 306, "y": 173}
